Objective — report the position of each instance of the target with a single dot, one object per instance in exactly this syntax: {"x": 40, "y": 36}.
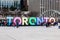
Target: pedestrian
{"x": 59, "y": 24}
{"x": 48, "y": 24}
{"x": 17, "y": 23}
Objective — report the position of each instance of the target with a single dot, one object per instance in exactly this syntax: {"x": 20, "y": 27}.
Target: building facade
{"x": 6, "y": 5}
{"x": 45, "y": 7}
{"x": 9, "y": 3}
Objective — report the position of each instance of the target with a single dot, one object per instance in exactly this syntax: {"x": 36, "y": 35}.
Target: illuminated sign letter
{"x": 9, "y": 20}
{"x": 24, "y": 20}
{"x": 17, "y": 18}
{"x": 40, "y": 20}
{"x": 32, "y": 20}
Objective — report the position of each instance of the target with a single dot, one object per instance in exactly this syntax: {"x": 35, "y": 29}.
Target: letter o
{"x": 50, "y": 20}
{"x": 16, "y": 19}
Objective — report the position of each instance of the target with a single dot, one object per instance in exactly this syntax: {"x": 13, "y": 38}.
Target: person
{"x": 5, "y": 23}
{"x": 59, "y": 24}
{"x": 56, "y": 23}
{"x": 47, "y": 24}
{"x": 17, "y": 23}
{"x": 0, "y": 23}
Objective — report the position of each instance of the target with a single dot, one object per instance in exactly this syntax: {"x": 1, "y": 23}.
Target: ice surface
{"x": 29, "y": 33}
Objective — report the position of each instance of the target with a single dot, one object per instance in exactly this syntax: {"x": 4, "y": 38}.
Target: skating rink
{"x": 30, "y": 33}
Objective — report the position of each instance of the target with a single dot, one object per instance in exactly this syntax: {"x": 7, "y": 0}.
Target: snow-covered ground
{"x": 29, "y": 33}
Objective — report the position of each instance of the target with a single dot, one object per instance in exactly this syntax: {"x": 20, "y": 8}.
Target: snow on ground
{"x": 29, "y": 33}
